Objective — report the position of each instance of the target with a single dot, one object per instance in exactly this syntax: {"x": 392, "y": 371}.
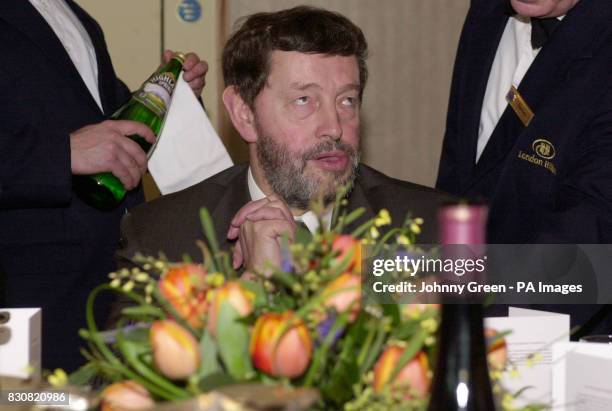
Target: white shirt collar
{"x": 309, "y": 218}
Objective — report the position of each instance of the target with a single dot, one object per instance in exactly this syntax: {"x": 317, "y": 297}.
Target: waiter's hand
{"x": 104, "y": 147}
{"x": 194, "y": 68}
{"x": 258, "y": 227}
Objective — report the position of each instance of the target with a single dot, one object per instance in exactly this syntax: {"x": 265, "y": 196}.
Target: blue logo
{"x": 190, "y": 10}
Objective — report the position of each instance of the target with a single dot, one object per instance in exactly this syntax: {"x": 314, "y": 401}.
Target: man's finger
{"x": 135, "y": 152}
{"x": 191, "y": 59}
{"x": 240, "y": 216}
{"x": 128, "y": 128}
{"x": 237, "y": 256}
{"x": 167, "y": 55}
{"x": 266, "y": 213}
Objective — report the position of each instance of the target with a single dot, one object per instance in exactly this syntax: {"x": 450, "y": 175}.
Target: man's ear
{"x": 241, "y": 114}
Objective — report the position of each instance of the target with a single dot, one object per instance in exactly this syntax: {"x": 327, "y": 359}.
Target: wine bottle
{"x": 149, "y": 106}
{"x": 461, "y": 378}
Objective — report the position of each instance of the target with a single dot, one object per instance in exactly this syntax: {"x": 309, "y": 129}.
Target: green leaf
{"x": 319, "y": 359}
{"x": 393, "y": 312}
{"x": 338, "y": 388}
{"x": 139, "y": 336}
{"x": 209, "y": 230}
{"x": 234, "y": 349}
{"x": 406, "y": 330}
{"x": 83, "y": 375}
{"x": 414, "y": 346}
{"x": 208, "y": 351}
{"x": 375, "y": 348}
{"x": 143, "y": 310}
{"x": 257, "y": 288}
{"x": 162, "y": 386}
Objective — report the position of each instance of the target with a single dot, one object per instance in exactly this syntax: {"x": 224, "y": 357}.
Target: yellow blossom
{"x": 419, "y": 221}
{"x": 430, "y": 325}
{"x": 115, "y": 283}
{"x": 129, "y": 286}
{"x": 141, "y": 277}
{"x": 496, "y": 375}
{"x": 402, "y": 239}
{"x": 383, "y": 218}
{"x": 58, "y": 379}
{"x": 374, "y": 232}
{"x": 414, "y": 227}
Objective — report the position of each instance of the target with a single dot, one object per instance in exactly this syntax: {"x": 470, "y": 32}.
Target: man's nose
{"x": 330, "y": 125}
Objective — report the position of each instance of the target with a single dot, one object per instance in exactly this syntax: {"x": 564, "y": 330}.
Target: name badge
{"x": 520, "y": 106}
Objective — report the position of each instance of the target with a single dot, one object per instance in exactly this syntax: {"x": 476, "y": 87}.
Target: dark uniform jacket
{"x": 551, "y": 181}
{"x": 53, "y": 247}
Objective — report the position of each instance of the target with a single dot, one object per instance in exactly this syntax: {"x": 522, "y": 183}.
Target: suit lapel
{"x": 235, "y": 196}
{"x": 356, "y": 199}
{"x": 482, "y": 33}
{"x": 106, "y": 74}
{"x": 24, "y": 17}
{"x": 543, "y": 82}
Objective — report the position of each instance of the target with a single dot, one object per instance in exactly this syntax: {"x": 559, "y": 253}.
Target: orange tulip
{"x": 175, "y": 350}
{"x": 185, "y": 289}
{"x": 125, "y": 396}
{"x": 345, "y": 244}
{"x": 414, "y": 376}
{"x": 281, "y": 345}
{"x": 237, "y": 296}
{"x": 343, "y": 294}
{"x": 497, "y": 351}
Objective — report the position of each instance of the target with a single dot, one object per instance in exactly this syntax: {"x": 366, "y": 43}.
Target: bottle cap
{"x": 462, "y": 223}
{"x": 179, "y": 56}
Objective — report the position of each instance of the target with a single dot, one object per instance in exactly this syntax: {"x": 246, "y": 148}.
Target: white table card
{"x": 530, "y": 342}
{"x": 20, "y": 343}
{"x": 582, "y": 376}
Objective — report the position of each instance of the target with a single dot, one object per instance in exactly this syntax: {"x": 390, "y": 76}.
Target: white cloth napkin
{"x": 188, "y": 149}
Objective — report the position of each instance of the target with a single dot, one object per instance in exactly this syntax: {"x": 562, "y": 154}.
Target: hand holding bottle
{"x": 104, "y": 147}
{"x": 194, "y": 70}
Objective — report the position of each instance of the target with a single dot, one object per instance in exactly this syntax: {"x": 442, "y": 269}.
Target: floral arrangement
{"x": 193, "y": 328}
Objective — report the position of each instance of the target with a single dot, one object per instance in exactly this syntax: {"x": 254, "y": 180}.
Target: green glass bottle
{"x": 149, "y": 106}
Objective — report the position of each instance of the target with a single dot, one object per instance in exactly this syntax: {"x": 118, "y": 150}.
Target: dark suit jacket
{"x": 171, "y": 223}
{"x": 53, "y": 247}
{"x": 569, "y": 88}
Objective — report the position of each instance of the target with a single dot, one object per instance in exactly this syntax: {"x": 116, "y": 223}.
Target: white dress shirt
{"x": 309, "y": 218}
{"x": 513, "y": 58}
{"x": 73, "y": 36}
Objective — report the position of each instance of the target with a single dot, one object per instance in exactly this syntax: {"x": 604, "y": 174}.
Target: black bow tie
{"x": 541, "y": 29}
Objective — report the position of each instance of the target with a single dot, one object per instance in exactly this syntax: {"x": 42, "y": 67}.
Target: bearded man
{"x": 294, "y": 85}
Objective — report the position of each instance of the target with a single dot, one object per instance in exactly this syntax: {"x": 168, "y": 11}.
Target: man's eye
{"x": 349, "y": 101}
{"x": 301, "y": 101}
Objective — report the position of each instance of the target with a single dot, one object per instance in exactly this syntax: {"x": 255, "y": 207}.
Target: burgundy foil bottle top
{"x": 462, "y": 223}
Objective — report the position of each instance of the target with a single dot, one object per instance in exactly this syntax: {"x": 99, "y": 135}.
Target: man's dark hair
{"x": 246, "y": 55}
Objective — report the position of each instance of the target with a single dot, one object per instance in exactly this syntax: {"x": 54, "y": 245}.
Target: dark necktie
{"x": 541, "y": 29}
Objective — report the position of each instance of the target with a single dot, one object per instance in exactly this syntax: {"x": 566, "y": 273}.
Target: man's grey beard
{"x": 286, "y": 174}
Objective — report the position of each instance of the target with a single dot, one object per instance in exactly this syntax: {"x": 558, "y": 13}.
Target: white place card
{"x": 20, "y": 343}
{"x": 582, "y": 376}
{"x": 532, "y": 336}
